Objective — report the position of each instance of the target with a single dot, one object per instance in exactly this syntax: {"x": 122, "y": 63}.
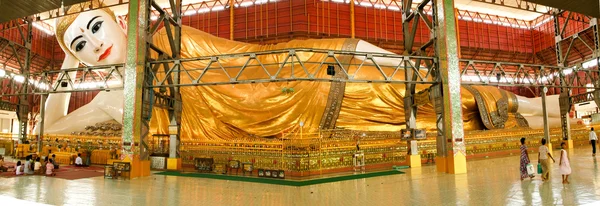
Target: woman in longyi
{"x": 225, "y": 112}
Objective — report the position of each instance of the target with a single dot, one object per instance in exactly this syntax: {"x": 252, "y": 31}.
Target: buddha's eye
{"x": 97, "y": 26}
{"x": 80, "y": 46}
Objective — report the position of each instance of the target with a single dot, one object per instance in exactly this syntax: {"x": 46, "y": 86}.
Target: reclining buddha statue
{"x": 224, "y": 112}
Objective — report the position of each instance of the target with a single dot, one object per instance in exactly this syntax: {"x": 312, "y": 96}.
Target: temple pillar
{"x": 565, "y": 108}
{"x": 410, "y": 107}
{"x": 410, "y": 112}
{"x": 596, "y": 92}
{"x": 545, "y": 118}
{"x": 134, "y": 128}
{"x": 24, "y": 67}
{"x": 40, "y": 136}
{"x": 448, "y": 92}
{"x": 414, "y": 159}
{"x": 441, "y": 143}
{"x": 174, "y": 161}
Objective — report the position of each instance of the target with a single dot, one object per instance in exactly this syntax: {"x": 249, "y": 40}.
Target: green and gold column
{"x": 449, "y": 71}
{"x": 133, "y": 127}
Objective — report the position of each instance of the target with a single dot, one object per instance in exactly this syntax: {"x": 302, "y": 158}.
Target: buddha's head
{"x": 95, "y": 37}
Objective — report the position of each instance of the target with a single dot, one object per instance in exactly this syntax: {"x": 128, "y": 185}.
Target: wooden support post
{"x": 352, "y": 23}
{"x": 231, "y": 17}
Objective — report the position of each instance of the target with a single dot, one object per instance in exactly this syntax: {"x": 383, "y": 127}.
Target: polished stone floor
{"x": 493, "y": 181}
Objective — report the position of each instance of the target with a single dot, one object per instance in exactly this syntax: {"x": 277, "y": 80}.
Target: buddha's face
{"x": 95, "y": 38}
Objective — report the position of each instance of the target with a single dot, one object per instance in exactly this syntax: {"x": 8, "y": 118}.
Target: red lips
{"x": 105, "y": 54}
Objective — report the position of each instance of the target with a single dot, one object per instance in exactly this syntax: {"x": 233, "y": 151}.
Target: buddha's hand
{"x": 70, "y": 62}
{"x": 36, "y": 128}
{"x": 58, "y": 103}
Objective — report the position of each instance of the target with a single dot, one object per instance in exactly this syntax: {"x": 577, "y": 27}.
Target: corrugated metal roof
{"x": 587, "y": 7}
{"x": 13, "y": 9}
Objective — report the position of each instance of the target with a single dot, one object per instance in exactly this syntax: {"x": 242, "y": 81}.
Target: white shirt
{"x": 543, "y": 152}
{"x": 37, "y": 166}
{"x": 593, "y": 136}
{"x": 27, "y": 168}
{"x": 19, "y": 170}
{"x": 78, "y": 161}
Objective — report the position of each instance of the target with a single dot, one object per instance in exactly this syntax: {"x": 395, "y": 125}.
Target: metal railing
{"x": 496, "y": 73}
{"x": 292, "y": 65}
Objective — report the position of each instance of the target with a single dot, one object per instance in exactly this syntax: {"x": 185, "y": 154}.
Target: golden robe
{"x": 225, "y": 112}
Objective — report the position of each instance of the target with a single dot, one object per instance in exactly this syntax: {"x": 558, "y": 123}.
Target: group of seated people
{"x": 32, "y": 165}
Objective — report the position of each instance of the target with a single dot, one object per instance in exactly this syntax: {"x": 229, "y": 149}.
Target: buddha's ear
{"x": 122, "y": 23}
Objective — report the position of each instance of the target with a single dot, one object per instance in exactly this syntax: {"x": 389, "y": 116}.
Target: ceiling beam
{"x": 518, "y": 4}
{"x": 586, "y": 7}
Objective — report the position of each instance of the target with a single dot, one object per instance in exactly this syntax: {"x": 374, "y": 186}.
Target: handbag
{"x": 539, "y": 168}
{"x": 530, "y": 169}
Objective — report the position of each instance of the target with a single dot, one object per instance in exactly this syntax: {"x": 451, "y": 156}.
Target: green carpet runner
{"x": 266, "y": 180}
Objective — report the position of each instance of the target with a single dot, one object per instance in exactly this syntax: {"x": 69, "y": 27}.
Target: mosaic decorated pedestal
{"x": 333, "y": 151}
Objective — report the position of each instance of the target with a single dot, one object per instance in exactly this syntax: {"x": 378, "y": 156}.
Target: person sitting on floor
{"x": 50, "y": 169}
{"x": 43, "y": 167}
{"x": 2, "y": 167}
{"x": 37, "y": 167}
{"x": 19, "y": 170}
{"x": 28, "y": 167}
{"x": 79, "y": 161}
{"x": 53, "y": 161}
{"x": 34, "y": 157}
